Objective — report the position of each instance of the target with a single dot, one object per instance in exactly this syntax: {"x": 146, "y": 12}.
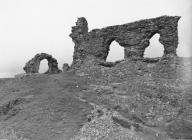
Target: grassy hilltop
{"x": 133, "y": 100}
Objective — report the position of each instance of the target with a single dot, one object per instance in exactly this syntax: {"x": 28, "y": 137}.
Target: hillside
{"x": 132, "y": 100}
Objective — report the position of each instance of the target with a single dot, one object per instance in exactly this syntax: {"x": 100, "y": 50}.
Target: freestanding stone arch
{"x": 32, "y": 66}
{"x": 134, "y": 37}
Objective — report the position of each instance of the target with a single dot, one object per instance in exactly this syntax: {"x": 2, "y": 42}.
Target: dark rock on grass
{"x": 127, "y": 124}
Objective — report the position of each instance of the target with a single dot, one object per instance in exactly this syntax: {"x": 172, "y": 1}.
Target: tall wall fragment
{"x": 134, "y": 37}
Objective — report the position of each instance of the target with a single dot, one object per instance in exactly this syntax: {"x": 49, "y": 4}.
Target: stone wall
{"x": 32, "y": 66}
{"x": 134, "y": 37}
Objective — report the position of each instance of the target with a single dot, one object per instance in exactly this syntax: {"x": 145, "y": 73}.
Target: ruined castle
{"x": 133, "y": 37}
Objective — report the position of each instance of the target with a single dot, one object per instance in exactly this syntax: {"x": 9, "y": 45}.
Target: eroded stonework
{"x": 32, "y": 66}
{"x": 134, "y": 37}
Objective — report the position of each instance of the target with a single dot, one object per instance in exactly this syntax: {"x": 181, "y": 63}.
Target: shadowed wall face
{"x": 134, "y": 37}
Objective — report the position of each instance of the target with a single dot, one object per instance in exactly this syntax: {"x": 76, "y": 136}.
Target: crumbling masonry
{"x": 134, "y": 37}
{"x": 32, "y": 66}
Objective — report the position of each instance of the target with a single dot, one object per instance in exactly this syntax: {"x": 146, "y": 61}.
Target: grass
{"x": 9, "y": 134}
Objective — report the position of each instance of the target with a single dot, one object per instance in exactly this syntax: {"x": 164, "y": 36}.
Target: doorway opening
{"x": 155, "y": 49}
{"x": 43, "y": 67}
{"x": 116, "y": 52}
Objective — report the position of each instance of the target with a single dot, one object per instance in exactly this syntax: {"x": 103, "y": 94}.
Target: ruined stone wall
{"x": 32, "y": 66}
{"x": 134, "y": 37}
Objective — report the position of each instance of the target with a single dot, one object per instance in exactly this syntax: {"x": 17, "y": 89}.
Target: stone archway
{"x": 155, "y": 48}
{"x": 115, "y": 52}
{"x": 43, "y": 67}
{"x": 32, "y": 66}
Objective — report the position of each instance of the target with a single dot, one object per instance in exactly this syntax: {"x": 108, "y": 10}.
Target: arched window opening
{"x": 116, "y": 52}
{"x": 43, "y": 67}
{"x": 155, "y": 49}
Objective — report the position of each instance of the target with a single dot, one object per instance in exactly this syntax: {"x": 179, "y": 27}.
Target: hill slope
{"x": 131, "y": 100}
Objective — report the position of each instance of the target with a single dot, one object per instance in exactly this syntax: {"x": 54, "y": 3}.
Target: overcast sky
{"x": 28, "y": 27}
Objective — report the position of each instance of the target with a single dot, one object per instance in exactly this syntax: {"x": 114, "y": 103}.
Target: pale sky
{"x": 28, "y": 27}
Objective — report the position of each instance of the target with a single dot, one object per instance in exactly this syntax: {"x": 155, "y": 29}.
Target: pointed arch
{"x": 155, "y": 49}
{"x": 116, "y": 52}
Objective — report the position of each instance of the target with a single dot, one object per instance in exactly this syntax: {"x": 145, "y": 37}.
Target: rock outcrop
{"x": 32, "y": 66}
{"x": 134, "y": 37}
